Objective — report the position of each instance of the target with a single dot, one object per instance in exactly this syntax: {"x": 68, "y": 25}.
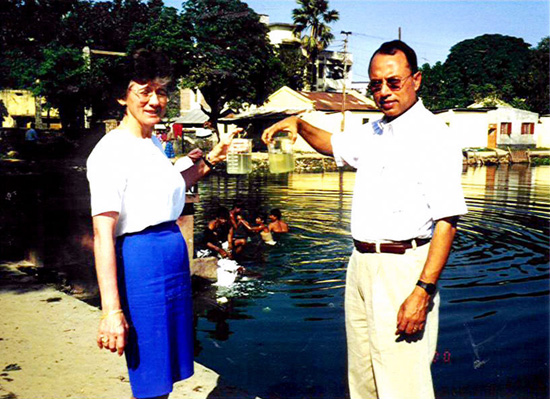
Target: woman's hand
{"x": 113, "y": 332}
{"x": 219, "y": 152}
{"x": 195, "y": 154}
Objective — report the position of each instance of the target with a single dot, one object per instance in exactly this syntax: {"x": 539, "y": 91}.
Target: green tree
{"x": 293, "y": 65}
{"x": 41, "y": 48}
{"x": 538, "y": 97}
{"x": 493, "y": 66}
{"x": 231, "y": 60}
{"x": 62, "y": 79}
{"x": 434, "y": 89}
{"x": 313, "y": 17}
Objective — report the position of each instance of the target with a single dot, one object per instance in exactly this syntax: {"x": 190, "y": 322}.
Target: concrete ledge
{"x": 205, "y": 267}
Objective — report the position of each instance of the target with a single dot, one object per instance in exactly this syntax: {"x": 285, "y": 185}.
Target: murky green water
{"x": 281, "y": 334}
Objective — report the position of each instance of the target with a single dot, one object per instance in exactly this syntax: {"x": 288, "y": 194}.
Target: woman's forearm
{"x": 105, "y": 260}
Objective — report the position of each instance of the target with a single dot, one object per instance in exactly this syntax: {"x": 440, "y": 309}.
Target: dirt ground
{"x": 48, "y": 349}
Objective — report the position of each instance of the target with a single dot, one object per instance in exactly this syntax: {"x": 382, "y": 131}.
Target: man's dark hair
{"x": 391, "y": 48}
{"x": 141, "y": 67}
{"x": 222, "y": 213}
{"x": 238, "y": 204}
{"x": 276, "y": 212}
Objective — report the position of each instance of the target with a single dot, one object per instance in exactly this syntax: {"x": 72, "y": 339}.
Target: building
{"x": 318, "y": 108}
{"x": 333, "y": 68}
{"x": 543, "y": 132}
{"x": 497, "y": 126}
{"x": 20, "y": 107}
{"x": 333, "y": 71}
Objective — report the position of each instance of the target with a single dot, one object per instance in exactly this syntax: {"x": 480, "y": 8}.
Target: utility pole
{"x": 343, "y": 124}
{"x": 399, "y": 33}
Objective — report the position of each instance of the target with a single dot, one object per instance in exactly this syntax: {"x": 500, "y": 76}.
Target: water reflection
{"x": 281, "y": 333}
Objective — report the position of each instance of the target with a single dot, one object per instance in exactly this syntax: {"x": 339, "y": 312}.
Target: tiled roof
{"x": 328, "y": 101}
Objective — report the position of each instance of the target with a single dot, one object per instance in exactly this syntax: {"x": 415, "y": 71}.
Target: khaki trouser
{"x": 380, "y": 363}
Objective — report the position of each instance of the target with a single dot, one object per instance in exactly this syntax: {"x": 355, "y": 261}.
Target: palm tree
{"x": 313, "y": 16}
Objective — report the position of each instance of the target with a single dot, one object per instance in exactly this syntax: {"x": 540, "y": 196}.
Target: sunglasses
{"x": 394, "y": 84}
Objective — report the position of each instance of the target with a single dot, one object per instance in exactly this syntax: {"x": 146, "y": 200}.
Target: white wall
{"x": 331, "y": 122}
{"x": 470, "y": 128}
{"x": 542, "y": 131}
{"x": 516, "y": 117}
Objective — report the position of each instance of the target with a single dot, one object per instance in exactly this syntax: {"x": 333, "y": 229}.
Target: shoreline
{"x": 48, "y": 349}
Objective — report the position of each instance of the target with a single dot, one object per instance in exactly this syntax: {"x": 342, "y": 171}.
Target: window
{"x": 527, "y": 128}
{"x": 506, "y": 128}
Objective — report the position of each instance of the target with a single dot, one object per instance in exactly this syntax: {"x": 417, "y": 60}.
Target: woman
{"x": 141, "y": 258}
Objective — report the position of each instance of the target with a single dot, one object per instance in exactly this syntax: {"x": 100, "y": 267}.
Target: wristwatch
{"x": 207, "y": 162}
{"x": 429, "y": 287}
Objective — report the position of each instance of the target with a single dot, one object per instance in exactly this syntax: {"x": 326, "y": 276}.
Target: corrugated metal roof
{"x": 260, "y": 113}
{"x": 193, "y": 117}
{"x": 328, "y": 101}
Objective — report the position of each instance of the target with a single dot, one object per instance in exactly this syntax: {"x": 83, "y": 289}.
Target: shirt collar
{"x": 382, "y": 126}
{"x": 408, "y": 116}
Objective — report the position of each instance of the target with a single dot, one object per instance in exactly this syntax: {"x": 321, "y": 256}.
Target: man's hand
{"x": 411, "y": 317}
{"x": 288, "y": 125}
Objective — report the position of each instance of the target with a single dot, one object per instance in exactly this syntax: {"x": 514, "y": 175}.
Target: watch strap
{"x": 428, "y": 287}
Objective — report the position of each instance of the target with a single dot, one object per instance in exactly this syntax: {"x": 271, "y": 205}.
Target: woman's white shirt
{"x": 133, "y": 176}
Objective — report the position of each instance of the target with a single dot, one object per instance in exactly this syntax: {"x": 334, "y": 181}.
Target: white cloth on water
{"x": 227, "y": 272}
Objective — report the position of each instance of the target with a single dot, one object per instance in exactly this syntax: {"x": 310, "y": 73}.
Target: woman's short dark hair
{"x": 391, "y": 48}
{"x": 141, "y": 67}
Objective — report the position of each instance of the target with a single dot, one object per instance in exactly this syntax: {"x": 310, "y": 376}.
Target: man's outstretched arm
{"x": 317, "y": 138}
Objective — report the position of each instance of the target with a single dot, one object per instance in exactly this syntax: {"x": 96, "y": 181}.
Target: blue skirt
{"x": 155, "y": 290}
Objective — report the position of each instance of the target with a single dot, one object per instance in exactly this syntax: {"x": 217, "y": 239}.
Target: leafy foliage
{"x": 489, "y": 67}
{"x": 313, "y": 16}
{"x": 231, "y": 59}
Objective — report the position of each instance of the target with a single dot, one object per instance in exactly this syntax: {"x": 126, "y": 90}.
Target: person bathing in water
{"x": 277, "y": 225}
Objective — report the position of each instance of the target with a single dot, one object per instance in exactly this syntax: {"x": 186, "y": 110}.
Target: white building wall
{"x": 278, "y": 35}
{"x": 516, "y": 117}
{"x": 470, "y": 128}
{"x": 542, "y": 131}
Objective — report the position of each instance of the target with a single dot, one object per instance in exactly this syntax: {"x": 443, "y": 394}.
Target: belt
{"x": 395, "y": 247}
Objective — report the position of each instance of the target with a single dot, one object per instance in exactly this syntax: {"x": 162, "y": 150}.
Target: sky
{"x": 430, "y": 27}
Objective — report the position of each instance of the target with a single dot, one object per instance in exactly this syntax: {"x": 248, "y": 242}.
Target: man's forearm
{"x": 317, "y": 138}
{"x": 440, "y": 248}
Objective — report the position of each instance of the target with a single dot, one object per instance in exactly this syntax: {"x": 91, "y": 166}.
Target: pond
{"x": 280, "y": 334}
{"x": 283, "y": 334}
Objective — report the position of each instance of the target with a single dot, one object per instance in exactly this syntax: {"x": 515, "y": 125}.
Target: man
{"x": 218, "y": 235}
{"x": 277, "y": 224}
{"x": 31, "y": 135}
{"x": 406, "y": 203}
{"x": 240, "y": 235}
